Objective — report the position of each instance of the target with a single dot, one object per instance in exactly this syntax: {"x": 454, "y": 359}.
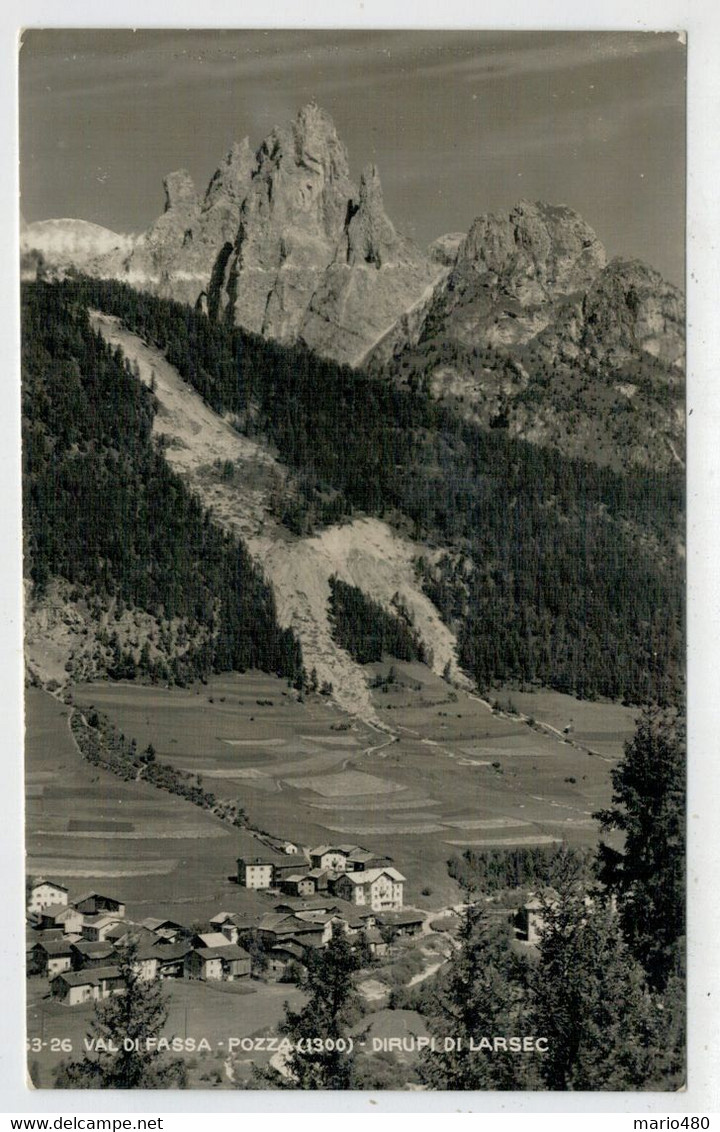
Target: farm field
{"x": 195, "y": 1010}
{"x": 84, "y": 826}
{"x": 443, "y": 774}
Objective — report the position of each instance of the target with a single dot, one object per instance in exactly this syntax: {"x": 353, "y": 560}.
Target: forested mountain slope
{"x": 555, "y": 570}
{"x": 114, "y": 542}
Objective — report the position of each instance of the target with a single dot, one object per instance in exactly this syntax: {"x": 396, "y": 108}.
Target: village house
{"x": 228, "y": 963}
{"x": 298, "y": 884}
{"x": 283, "y": 959}
{"x": 379, "y": 889}
{"x": 255, "y": 872}
{"x": 322, "y": 920}
{"x": 45, "y": 892}
{"x": 288, "y": 865}
{"x": 147, "y": 964}
{"x": 277, "y": 928}
{"x": 95, "y": 904}
{"x": 85, "y": 954}
{"x": 332, "y": 857}
{"x": 171, "y": 959}
{"x": 406, "y": 923}
{"x": 164, "y": 929}
{"x": 222, "y": 921}
{"x": 75, "y": 987}
{"x": 62, "y": 916}
{"x": 98, "y": 928}
{"x": 530, "y": 919}
{"x": 359, "y": 860}
{"x": 376, "y": 944}
{"x": 210, "y": 939}
{"x": 232, "y": 924}
{"x": 321, "y": 877}
{"x": 50, "y": 958}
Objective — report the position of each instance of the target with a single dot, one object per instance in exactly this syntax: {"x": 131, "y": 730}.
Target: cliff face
{"x": 317, "y": 260}
{"x": 521, "y": 320}
{"x": 283, "y": 243}
{"x": 533, "y": 331}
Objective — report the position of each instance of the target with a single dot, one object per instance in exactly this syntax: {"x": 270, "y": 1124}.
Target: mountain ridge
{"x": 521, "y": 320}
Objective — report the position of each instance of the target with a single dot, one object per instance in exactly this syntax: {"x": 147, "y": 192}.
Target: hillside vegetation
{"x": 557, "y": 571}
{"x": 104, "y": 512}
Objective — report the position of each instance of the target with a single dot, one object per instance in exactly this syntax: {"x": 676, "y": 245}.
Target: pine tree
{"x": 482, "y": 993}
{"x": 589, "y": 998}
{"x": 131, "y": 1019}
{"x": 326, "y": 1016}
{"x": 648, "y": 875}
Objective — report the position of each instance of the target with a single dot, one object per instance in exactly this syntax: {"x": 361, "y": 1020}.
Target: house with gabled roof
{"x": 319, "y": 903}
{"x": 210, "y": 939}
{"x": 85, "y": 954}
{"x": 233, "y": 924}
{"x": 228, "y": 963}
{"x": 288, "y": 865}
{"x": 360, "y": 860}
{"x": 283, "y": 958}
{"x": 170, "y": 930}
{"x": 407, "y": 922}
{"x": 171, "y": 958}
{"x": 277, "y": 927}
{"x": 44, "y": 892}
{"x": 76, "y": 987}
{"x": 62, "y": 916}
{"x": 255, "y": 872}
{"x": 298, "y": 884}
{"x": 98, "y": 927}
{"x": 332, "y": 857}
{"x": 379, "y": 889}
{"x": 96, "y": 903}
{"x": 51, "y": 957}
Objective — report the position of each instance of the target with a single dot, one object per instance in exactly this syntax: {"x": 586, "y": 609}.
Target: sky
{"x": 458, "y": 123}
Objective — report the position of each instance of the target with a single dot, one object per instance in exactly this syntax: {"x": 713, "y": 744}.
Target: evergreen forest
{"x": 104, "y": 511}
{"x": 556, "y": 571}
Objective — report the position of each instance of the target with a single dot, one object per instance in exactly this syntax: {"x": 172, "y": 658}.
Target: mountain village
{"x": 73, "y": 943}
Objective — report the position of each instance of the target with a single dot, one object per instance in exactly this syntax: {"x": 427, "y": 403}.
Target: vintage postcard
{"x": 353, "y": 441}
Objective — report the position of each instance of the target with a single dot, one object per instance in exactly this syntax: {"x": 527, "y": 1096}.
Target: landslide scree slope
{"x": 556, "y": 571}
{"x": 115, "y": 531}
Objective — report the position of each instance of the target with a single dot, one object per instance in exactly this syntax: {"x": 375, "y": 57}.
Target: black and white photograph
{"x": 354, "y": 559}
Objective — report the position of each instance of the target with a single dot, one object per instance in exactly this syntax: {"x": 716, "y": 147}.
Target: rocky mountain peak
{"x": 317, "y": 143}
{"x": 631, "y": 308}
{"x": 180, "y": 193}
{"x": 230, "y": 181}
{"x": 371, "y": 237}
{"x": 536, "y": 251}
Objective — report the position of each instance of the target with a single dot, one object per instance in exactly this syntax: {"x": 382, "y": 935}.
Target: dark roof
{"x": 110, "y": 972}
{"x": 53, "y": 883}
{"x": 307, "y": 904}
{"x": 94, "y": 948}
{"x": 255, "y": 861}
{"x": 293, "y": 949}
{"x": 54, "y": 946}
{"x": 231, "y": 952}
{"x": 170, "y": 952}
{"x": 77, "y": 978}
{"x": 82, "y": 978}
{"x": 152, "y": 923}
{"x": 55, "y": 910}
{"x": 97, "y": 896}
